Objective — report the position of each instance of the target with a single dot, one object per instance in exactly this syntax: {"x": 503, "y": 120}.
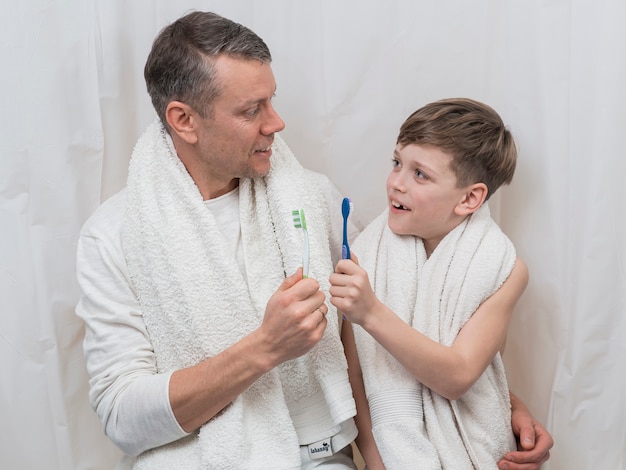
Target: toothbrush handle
{"x": 305, "y": 256}
{"x": 345, "y": 248}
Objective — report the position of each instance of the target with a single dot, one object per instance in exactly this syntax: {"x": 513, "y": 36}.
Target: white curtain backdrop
{"x": 348, "y": 73}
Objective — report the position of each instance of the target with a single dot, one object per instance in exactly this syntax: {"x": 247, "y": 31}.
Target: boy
{"x": 430, "y": 321}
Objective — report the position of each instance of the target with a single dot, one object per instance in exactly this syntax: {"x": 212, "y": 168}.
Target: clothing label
{"x": 320, "y": 449}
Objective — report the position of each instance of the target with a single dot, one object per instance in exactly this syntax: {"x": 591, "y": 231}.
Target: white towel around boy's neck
{"x": 196, "y": 302}
{"x": 414, "y": 426}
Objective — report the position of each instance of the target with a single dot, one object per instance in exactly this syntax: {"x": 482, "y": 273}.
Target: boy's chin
{"x": 398, "y": 229}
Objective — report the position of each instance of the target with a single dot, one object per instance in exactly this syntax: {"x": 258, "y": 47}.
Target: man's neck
{"x": 217, "y": 190}
{"x": 209, "y": 185}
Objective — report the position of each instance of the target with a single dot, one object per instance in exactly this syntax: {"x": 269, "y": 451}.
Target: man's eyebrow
{"x": 253, "y": 101}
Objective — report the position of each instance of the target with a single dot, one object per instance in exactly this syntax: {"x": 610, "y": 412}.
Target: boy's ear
{"x": 182, "y": 119}
{"x": 473, "y": 198}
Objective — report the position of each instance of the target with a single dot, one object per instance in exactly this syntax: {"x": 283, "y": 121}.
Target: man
{"x": 205, "y": 345}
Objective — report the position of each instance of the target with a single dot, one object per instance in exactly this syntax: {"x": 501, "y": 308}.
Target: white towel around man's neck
{"x": 196, "y": 302}
{"x": 413, "y": 426}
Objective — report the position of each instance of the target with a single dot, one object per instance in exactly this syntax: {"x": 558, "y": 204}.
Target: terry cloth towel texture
{"x": 196, "y": 302}
{"x": 412, "y": 425}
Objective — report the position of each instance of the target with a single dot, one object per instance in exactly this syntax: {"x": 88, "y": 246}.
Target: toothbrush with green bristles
{"x": 299, "y": 221}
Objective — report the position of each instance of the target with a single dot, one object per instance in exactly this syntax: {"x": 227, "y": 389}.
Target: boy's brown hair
{"x": 482, "y": 148}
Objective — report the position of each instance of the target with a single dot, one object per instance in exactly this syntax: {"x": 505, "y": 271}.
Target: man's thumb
{"x": 527, "y": 438}
{"x": 291, "y": 281}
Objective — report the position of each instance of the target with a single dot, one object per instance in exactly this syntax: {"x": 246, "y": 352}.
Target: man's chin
{"x": 261, "y": 169}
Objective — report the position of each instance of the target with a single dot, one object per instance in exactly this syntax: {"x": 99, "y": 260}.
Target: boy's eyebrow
{"x": 417, "y": 163}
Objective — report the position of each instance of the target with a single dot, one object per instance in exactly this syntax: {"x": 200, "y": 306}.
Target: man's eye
{"x": 252, "y": 112}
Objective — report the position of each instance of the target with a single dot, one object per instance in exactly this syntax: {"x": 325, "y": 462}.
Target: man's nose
{"x": 273, "y": 122}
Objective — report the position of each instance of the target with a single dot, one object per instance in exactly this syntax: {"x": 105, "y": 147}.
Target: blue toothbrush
{"x": 346, "y": 208}
{"x": 300, "y": 222}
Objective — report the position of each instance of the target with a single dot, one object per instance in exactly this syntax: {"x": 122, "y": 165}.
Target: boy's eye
{"x": 395, "y": 162}
{"x": 419, "y": 174}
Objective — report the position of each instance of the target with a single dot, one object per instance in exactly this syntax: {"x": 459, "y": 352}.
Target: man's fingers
{"x": 323, "y": 310}
{"x": 291, "y": 281}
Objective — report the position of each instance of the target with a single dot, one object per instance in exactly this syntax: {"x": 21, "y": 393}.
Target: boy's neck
{"x": 431, "y": 244}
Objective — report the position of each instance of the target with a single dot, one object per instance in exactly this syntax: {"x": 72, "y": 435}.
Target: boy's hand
{"x": 351, "y": 291}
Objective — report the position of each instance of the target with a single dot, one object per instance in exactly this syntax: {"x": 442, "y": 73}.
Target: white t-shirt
{"x": 128, "y": 395}
{"x": 225, "y": 210}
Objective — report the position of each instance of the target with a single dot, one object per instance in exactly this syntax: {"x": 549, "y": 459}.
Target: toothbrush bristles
{"x": 298, "y": 218}
{"x": 347, "y": 206}
{"x": 300, "y": 222}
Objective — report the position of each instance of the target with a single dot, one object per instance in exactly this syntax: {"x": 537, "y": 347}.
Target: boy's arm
{"x": 365, "y": 439}
{"x": 448, "y": 370}
{"x": 534, "y": 441}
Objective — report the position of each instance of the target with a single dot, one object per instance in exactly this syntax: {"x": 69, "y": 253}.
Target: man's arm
{"x": 292, "y": 325}
{"x": 534, "y": 441}
{"x": 141, "y": 409}
{"x": 126, "y": 392}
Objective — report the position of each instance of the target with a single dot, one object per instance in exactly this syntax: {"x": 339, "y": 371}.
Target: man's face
{"x": 234, "y": 140}
{"x": 422, "y": 194}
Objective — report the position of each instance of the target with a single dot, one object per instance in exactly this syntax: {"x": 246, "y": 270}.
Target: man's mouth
{"x": 263, "y": 152}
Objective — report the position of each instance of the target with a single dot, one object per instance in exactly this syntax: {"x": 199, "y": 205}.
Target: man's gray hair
{"x": 179, "y": 66}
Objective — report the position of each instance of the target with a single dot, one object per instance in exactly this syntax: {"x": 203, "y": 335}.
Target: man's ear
{"x": 183, "y": 121}
{"x": 473, "y": 198}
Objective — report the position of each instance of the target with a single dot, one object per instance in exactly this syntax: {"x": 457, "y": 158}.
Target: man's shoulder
{"x": 321, "y": 179}
{"x": 108, "y": 217}
{"x": 326, "y": 187}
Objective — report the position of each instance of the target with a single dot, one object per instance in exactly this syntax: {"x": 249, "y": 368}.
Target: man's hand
{"x": 534, "y": 441}
{"x": 295, "y": 318}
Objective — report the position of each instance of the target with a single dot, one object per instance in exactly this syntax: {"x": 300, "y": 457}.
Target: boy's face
{"x": 422, "y": 194}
